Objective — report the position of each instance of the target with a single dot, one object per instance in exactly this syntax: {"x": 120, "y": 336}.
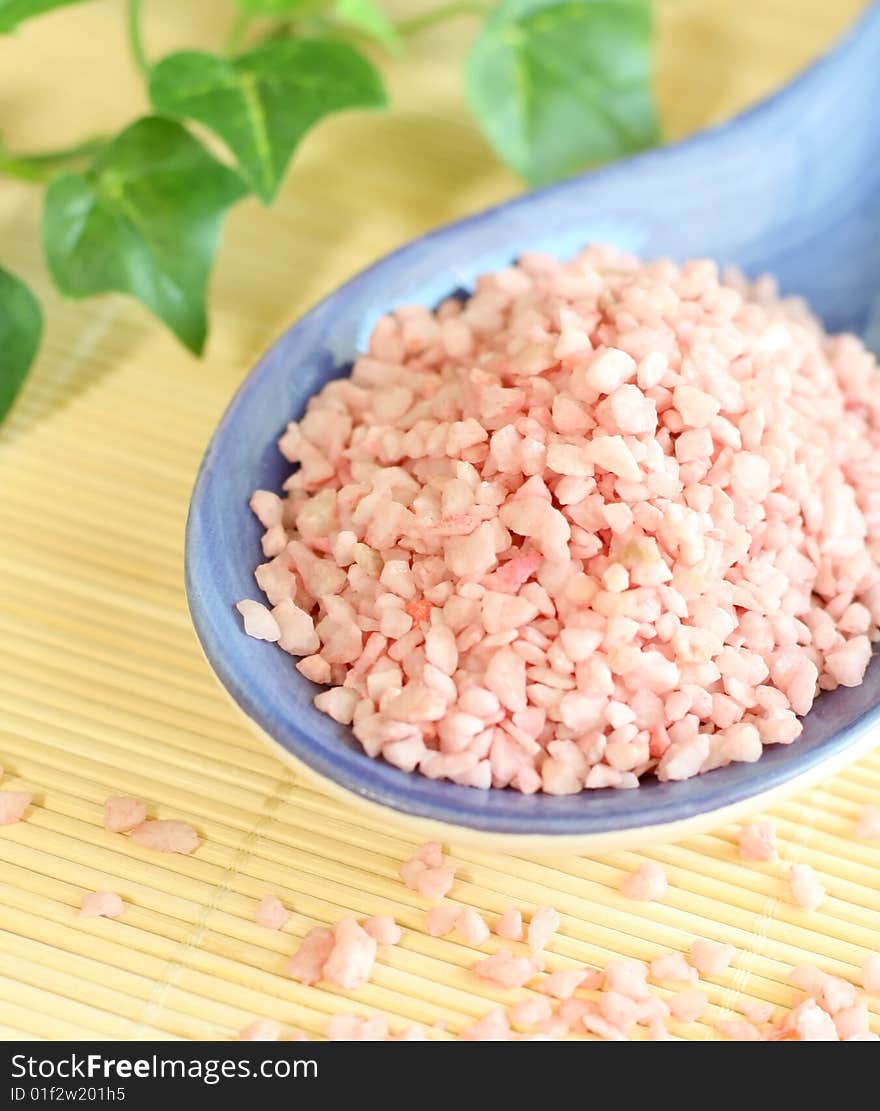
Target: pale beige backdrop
{"x": 102, "y": 688}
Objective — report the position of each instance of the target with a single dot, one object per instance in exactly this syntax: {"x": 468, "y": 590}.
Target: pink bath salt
{"x": 510, "y": 925}
{"x": 603, "y": 1028}
{"x": 852, "y": 1023}
{"x": 627, "y": 977}
{"x": 847, "y": 665}
{"x": 673, "y": 968}
{"x": 350, "y": 962}
{"x": 355, "y": 1028}
{"x": 531, "y": 1012}
{"x": 506, "y": 970}
{"x": 271, "y": 913}
{"x": 757, "y": 841}
{"x": 647, "y": 883}
{"x": 619, "y": 1010}
{"x": 756, "y": 1013}
{"x": 830, "y": 992}
{"x": 13, "y": 805}
{"x": 411, "y": 1033}
{"x": 688, "y": 1006}
{"x": 383, "y": 929}
{"x": 260, "y": 1030}
{"x": 544, "y": 924}
{"x": 307, "y": 963}
{"x": 868, "y": 825}
{"x": 871, "y": 974}
{"x": 563, "y": 983}
{"x": 441, "y": 919}
{"x": 738, "y": 1030}
{"x": 426, "y": 873}
{"x": 806, "y": 887}
{"x": 472, "y": 927}
{"x": 101, "y": 904}
{"x": 434, "y": 883}
{"x": 166, "y": 836}
{"x": 493, "y": 1027}
{"x": 811, "y": 1024}
{"x": 710, "y": 958}
{"x": 258, "y": 621}
{"x": 122, "y": 813}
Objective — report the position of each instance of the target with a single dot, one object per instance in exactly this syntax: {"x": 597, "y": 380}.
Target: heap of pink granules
{"x": 604, "y": 518}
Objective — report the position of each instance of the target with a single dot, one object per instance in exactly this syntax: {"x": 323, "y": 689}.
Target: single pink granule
{"x": 506, "y": 970}
{"x": 101, "y": 904}
{"x": 166, "y": 836}
{"x": 271, "y": 913}
{"x": 739, "y": 1030}
{"x": 563, "y": 983}
{"x": 755, "y": 1012}
{"x": 350, "y": 962}
{"x": 811, "y": 1024}
{"x": 688, "y": 1006}
{"x": 806, "y": 887}
{"x": 355, "y": 1028}
{"x": 493, "y": 1027}
{"x": 510, "y": 925}
{"x": 426, "y": 873}
{"x": 307, "y": 963}
{"x": 871, "y": 974}
{"x": 383, "y": 929}
{"x": 710, "y": 958}
{"x": 757, "y": 841}
{"x": 13, "y": 805}
{"x": 627, "y": 977}
{"x": 868, "y": 824}
{"x": 544, "y": 924}
{"x": 674, "y": 968}
{"x": 472, "y": 927}
{"x": 122, "y": 814}
{"x": 602, "y": 520}
{"x": 647, "y": 883}
{"x": 531, "y": 1012}
{"x": 441, "y": 919}
{"x": 261, "y": 1030}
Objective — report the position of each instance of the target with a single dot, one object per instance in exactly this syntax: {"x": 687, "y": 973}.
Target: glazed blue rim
{"x": 253, "y": 673}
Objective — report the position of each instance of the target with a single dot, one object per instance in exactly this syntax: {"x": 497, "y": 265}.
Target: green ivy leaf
{"x": 367, "y": 18}
{"x": 145, "y": 220}
{"x": 262, "y": 103}
{"x": 13, "y": 12}
{"x": 560, "y": 84}
{"x": 21, "y": 325}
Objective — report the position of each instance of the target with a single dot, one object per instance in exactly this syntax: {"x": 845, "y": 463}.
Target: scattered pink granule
{"x": 383, "y": 929}
{"x": 441, "y": 919}
{"x": 122, "y": 813}
{"x": 674, "y": 968}
{"x": 411, "y": 1033}
{"x": 13, "y": 804}
{"x": 101, "y": 904}
{"x": 806, "y": 887}
{"x": 426, "y": 873}
{"x": 271, "y": 913}
{"x": 261, "y": 1030}
{"x": 506, "y": 970}
{"x": 755, "y": 1012}
{"x": 811, "y": 1024}
{"x": 563, "y": 983}
{"x": 710, "y": 958}
{"x": 688, "y": 1006}
{"x": 350, "y": 963}
{"x": 830, "y": 992}
{"x": 355, "y": 1028}
{"x": 544, "y": 924}
{"x": 739, "y": 1030}
{"x": 510, "y": 925}
{"x": 868, "y": 825}
{"x": 531, "y": 1012}
{"x": 620, "y": 1011}
{"x": 166, "y": 836}
{"x": 871, "y": 974}
{"x": 307, "y": 963}
{"x": 647, "y": 883}
{"x": 472, "y": 927}
{"x": 603, "y": 519}
{"x": 493, "y": 1027}
{"x": 627, "y": 977}
{"x": 757, "y": 841}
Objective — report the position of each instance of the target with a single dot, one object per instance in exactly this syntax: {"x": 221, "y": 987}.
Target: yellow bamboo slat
{"x": 103, "y": 689}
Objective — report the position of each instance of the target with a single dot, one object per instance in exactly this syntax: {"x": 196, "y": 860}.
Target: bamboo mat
{"x": 102, "y": 688}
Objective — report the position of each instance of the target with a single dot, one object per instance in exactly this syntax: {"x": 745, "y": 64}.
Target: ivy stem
{"x": 135, "y": 40}
{"x": 439, "y": 15}
{"x": 41, "y": 166}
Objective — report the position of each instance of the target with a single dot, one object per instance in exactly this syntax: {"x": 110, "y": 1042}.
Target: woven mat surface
{"x": 103, "y": 690}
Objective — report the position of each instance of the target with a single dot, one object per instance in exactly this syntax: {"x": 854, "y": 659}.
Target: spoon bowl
{"x": 792, "y": 188}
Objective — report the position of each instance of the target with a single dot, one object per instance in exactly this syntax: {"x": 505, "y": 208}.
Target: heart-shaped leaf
{"x": 560, "y": 84}
{"x": 21, "y": 324}
{"x": 262, "y": 103}
{"x": 13, "y": 12}
{"x": 145, "y": 220}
